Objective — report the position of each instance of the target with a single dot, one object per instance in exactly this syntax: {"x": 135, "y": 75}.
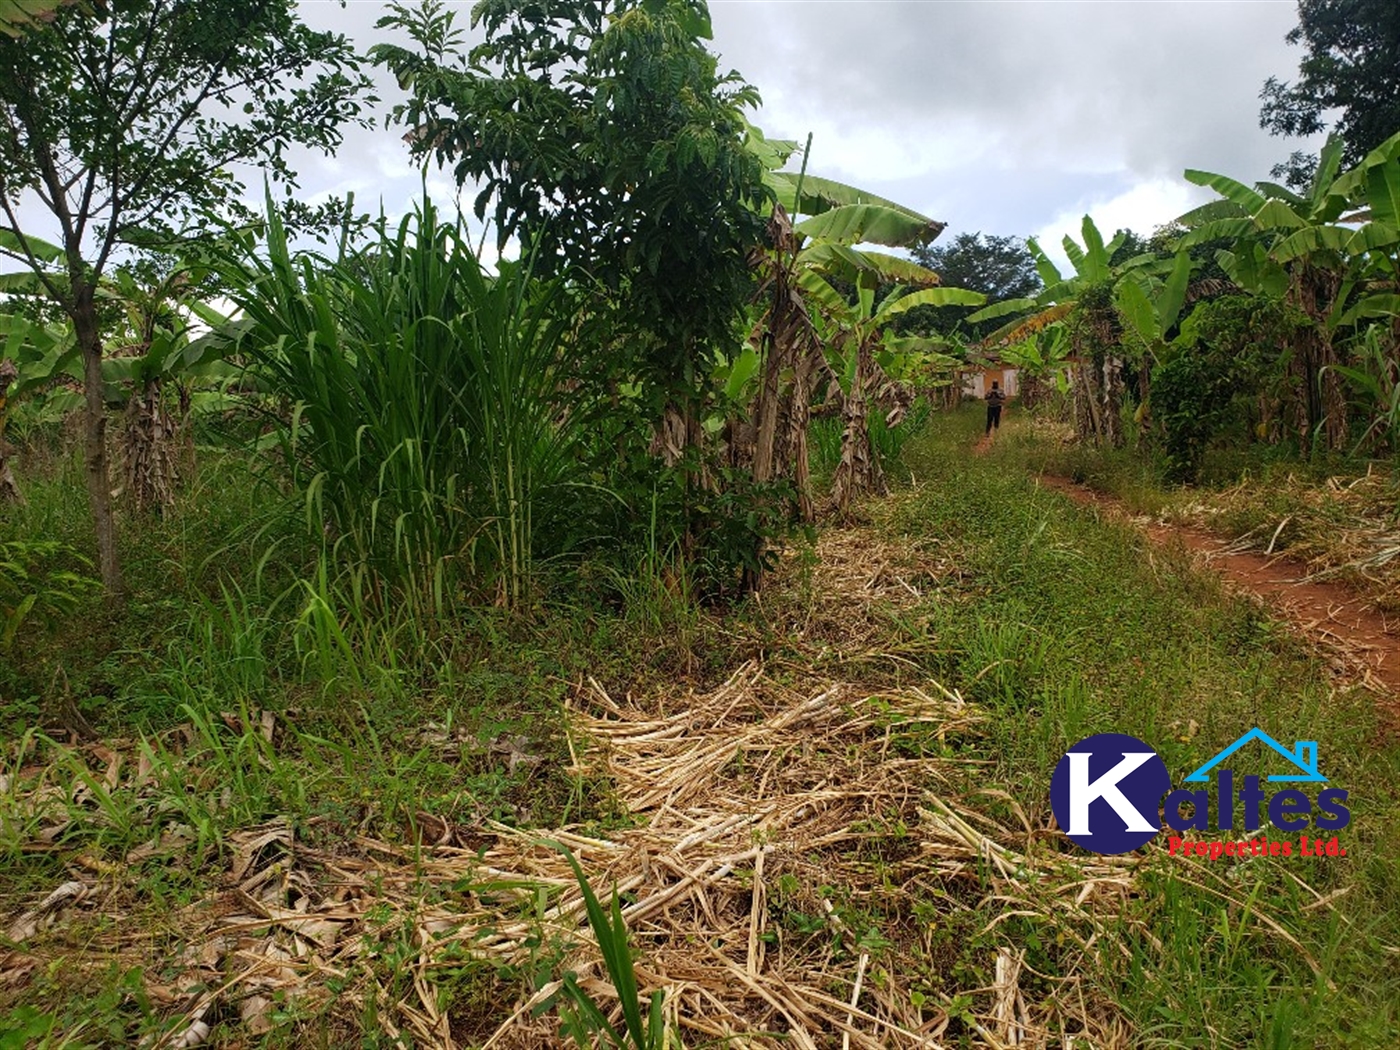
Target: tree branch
{"x": 28, "y": 254}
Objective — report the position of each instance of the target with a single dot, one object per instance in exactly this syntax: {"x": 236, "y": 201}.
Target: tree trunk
{"x": 1085, "y": 422}
{"x": 95, "y": 436}
{"x": 9, "y": 489}
{"x": 859, "y": 470}
{"x": 1334, "y": 396}
{"x": 799, "y": 419}
{"x": 150, "y": 449}
{"x": 1113, "y": 400}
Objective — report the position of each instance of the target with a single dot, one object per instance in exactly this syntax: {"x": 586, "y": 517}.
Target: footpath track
{"x": 1363, "y": 643}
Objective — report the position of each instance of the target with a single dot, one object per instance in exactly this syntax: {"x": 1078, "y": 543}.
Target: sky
{"x": 996, "y": 116}
{"x": 999, "y": 116}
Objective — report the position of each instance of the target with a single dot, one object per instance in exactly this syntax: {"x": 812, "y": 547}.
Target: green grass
{"x": 1337, "y": 515}
{"x": 1057, "y": 623}
{"x": 1064, "y": 625}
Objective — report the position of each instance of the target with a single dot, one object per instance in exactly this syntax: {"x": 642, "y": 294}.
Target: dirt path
{"x": 1365, "y": 643}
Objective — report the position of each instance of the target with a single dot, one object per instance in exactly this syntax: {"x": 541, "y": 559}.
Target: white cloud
{"x": 1141, "y": 209}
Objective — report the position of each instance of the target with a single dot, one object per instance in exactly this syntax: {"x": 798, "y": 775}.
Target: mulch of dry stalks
{"x": 774, "y": 779}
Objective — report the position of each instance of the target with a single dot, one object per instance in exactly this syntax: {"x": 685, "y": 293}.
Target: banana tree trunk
{"x": 798, "y": 417}
{"x": 1334, "y": 397}
{"x": 859, "y": 472}
{"x": 1086, "y": 426}
{"x": 1112, "y": 425}
{"x": 150, "y": 449}
{"x": 9, "y": 488}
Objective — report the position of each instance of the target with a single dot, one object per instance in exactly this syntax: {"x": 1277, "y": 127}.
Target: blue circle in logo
{"x": 1107, "y": 791}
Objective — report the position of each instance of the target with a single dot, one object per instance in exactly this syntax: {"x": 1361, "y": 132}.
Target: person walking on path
{"x": 995, "y": 399}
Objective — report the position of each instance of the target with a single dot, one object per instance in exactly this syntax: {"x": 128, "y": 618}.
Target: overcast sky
{"x": 1000, "y": 116}
{"x": 993, "y": 115}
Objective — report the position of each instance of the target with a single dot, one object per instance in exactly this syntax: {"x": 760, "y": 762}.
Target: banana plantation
{"x": 586, "y": 607}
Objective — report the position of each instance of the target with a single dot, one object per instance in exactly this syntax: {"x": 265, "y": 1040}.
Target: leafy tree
{"x": 998, "y": 267}
{"x": 124, "y": 122}
{"x": 1221, "y": 376}
{"x": 1306, "y": 249}
{"x": 1084, "y": 303}
{"x": 1351, "y": 68}
{"x": 604, "y": 136}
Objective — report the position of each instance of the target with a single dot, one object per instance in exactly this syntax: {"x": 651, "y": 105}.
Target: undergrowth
{"x": 248, "y": 688}
{"x": 1064, "y": 626}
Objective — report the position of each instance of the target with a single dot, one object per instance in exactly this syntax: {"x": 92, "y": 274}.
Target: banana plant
{"x": 864, "y": 357}
{"x": 1041, "y": 357}
{"x": 1329, "y": 251}
{"x": 170, "y": 338}
{"x": 818, "y": 229}
{"x": 1082, "y": 301}
{"x": 33, "y": 359}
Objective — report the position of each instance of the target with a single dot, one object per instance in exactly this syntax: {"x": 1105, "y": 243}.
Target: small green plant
{"x": 30, "y": 587}
{"x": 583, "y": 1019}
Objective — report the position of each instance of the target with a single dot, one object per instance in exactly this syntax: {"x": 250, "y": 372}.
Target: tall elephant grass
{"x": 422, "y": 406}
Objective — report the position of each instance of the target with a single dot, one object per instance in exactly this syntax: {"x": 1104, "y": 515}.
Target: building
{"x": 976, "y": 381}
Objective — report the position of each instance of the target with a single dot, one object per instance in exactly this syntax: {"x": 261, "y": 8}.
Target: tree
{"x": 998, "y": 267}
{"x": 1084, "y": 303}
{"x": 1306, "y": 249}
{"x": 863, "y": 353}
{"x": 604, "y": 136}
{"x": 807, "y": 260}
{"x": 124, "y": 122}
{"x": 1351, "y": 68}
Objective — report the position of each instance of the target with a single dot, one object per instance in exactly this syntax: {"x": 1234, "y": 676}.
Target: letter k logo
{"x": 1107, "y": 793}
{"x": 1083, "y": 791}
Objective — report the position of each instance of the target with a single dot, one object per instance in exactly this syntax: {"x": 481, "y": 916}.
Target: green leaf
{"x": 1173, "y": 295}
{"x": 897, "y": 269}
{"x": 1137, "y": 308}
{"x": 1383, "y": 304}
{"x": 1373, "y": 236}
{"x": 41, "y": 250}
{"x": 611, "y": 934}
{"x": 1002, "y": 309}
{"x": 1310, "y": 240}
{"x": 929, "y": 297}
{"x": 25, "y": 282}
{"x": 1211, "y": 212}
{"x": 20, "y": 16}
{"x": 1277, "y": 215}
{"x": 743, "y": 369}
{"x": 827, "y": 298}
{"x": 1217, "y": 229}
{"x": 1078, "y": 258}
{"x": 869, "y": 223}
{"x": 1328, "y": 164}
{"x": 1383, "y": 192}
{"x": 1095, "y": 253}
{"x": 821, "y": 195}
{"x": 1283, "y": 193}
{"x": 1049, "y": 272}
{"x": 1231, "y": 189}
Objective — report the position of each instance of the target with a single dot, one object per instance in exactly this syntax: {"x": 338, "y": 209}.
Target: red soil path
{"x": 1327, "y": 613}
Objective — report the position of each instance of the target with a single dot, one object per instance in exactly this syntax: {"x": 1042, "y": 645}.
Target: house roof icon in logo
{"x": 1303, "y": 756}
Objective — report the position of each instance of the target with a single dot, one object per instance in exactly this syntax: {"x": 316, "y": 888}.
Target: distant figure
{"x": 995, "y": 399}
